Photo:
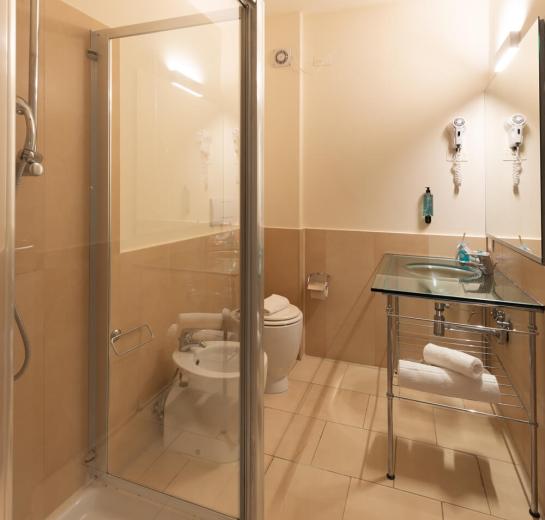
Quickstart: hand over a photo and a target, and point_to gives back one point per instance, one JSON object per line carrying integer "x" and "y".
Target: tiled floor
{"x": 326, "y": 452}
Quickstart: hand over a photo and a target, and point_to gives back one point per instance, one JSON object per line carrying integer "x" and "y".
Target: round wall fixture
{"x": 282, "y": 57}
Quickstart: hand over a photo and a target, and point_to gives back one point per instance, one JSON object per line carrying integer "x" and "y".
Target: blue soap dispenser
{"x": 427, "y": 206}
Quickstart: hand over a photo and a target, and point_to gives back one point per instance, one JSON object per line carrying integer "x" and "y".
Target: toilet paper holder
{"x": 318, "y": 285}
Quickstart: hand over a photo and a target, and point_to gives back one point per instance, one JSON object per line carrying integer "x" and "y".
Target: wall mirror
{"x": 515, "y": 148}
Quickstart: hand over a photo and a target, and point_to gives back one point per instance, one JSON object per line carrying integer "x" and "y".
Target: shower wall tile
{"x": 52, "y": 277}
{"x": 66, "y": 362}
{"x": 28, "y": 398}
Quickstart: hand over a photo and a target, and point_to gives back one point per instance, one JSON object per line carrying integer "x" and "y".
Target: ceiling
{"x": 124, "y": 12}
{"x": 290, "y": 6}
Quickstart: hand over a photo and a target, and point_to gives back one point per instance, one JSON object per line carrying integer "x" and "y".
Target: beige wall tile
{"x": 284, "y": 272}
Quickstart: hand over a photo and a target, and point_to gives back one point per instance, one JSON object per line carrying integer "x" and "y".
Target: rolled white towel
{"x": 275, "y": 303}
{"x": 437, "y": 380}
{"x": 460, "y": 362}
{"x": 200, "y": 320}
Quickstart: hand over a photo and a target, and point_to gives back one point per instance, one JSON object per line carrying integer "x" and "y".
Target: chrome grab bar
{"x": 118, "y": 334}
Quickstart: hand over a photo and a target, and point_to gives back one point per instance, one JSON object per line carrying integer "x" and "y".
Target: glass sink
{"x": 447, "y": 279}
{"x": 444, "y": 270}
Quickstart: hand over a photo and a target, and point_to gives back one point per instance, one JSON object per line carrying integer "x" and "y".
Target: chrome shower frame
{"x": 251, "y": 16}
{"x": 7, "y": 234}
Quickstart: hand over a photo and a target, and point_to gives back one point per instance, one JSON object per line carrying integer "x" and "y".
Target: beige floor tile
{"x": 342, "y": 449}
{"x": 440, "y": 473}
{"x": 411, "y": 420}
{"x": 208, "y": 484}
{"x": 475, "y": 434}
{"x": 374, "y": 502}
{"x": 267, "y": 462}
{"x": 366, "y": 379}
{"x": 353, "y": 452}
{"x": 297, "y": 492}
{"x": 330, "y": 373}
{"x": 432, "y": 398}
{"x": 289, "y": 400}
{"x": 503, "y": 489}
{"x": 163, "y": 471}
{"x": 301, "y": 439}
{"x": 306, "y": 368}
{"x": 276, "y": 423}
{"x": 376, "y": 459}
{"x": 335, "y": 404}
{"x": 451, "y": 512}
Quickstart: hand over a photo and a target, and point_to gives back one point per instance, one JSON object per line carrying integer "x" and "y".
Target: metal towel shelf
{"x": 117, "y": 334}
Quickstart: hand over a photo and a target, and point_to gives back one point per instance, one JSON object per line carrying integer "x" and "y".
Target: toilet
{"x": 282, "y": 332}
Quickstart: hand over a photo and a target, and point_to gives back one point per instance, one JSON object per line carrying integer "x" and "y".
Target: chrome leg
{"x": 534, "y": 493}
{"x": 390, "y": 390}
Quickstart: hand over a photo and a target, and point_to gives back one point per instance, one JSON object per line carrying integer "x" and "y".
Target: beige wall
{"x": 179, "y": 153}
{"x": 514, "y": 213}
{"x": 283, "y": 105}
{"x": 52, "y": 277}
{"x": 372, "y": 111}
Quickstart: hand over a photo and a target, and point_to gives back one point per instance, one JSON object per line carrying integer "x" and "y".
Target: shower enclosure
{"x": 175, "y": 365}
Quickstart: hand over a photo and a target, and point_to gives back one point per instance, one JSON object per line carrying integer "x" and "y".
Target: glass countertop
{"x": 447, "y": 279}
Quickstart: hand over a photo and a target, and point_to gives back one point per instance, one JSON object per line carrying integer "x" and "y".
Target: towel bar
{"x": 117, "y": 334}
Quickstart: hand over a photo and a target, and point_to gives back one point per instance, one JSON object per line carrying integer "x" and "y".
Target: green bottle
{"x": 427, "y": 206}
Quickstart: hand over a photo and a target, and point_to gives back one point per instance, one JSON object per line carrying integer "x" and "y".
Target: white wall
{"x": 395, "y": 74}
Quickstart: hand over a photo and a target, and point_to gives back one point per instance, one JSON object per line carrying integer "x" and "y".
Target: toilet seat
{"x": 287, "y": 316}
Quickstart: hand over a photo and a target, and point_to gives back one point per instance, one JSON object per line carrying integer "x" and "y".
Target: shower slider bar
{"x": 117, "y": 334}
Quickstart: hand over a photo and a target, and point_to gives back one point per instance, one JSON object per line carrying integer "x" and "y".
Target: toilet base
{"x": 277, "y": 387}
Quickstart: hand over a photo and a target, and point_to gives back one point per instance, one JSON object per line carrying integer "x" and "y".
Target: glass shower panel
{"x": 173, "y": 404}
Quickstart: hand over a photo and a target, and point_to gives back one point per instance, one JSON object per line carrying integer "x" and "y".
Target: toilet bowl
{"x": 282, "y": 332}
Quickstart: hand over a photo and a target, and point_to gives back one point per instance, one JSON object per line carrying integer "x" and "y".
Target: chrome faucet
{"x": 482, "y": 261}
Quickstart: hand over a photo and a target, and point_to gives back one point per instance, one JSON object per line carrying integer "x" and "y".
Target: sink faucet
{"x": 482, "y": 261}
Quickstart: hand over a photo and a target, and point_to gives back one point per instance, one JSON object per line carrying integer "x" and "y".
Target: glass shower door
{"x": 172, "y": 332}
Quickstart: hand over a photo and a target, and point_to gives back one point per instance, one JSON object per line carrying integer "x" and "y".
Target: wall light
{"x": 507, "y": 51}
{"x": 186, "y": 89}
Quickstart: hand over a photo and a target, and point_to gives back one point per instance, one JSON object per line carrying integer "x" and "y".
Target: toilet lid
{"x": 286, "y": 316}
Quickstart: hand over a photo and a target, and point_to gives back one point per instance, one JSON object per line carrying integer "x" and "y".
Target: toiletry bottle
{"x": 427, "y": 207}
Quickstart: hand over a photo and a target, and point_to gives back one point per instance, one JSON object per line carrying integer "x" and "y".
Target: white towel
{"x": 200, "y": 320}
{"x": 275, "y": 303}
{"x": 460, "y": 362}
{"x": 436, "y": 380}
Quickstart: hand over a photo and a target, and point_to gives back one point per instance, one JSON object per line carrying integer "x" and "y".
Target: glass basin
{"x": 444, "y": 270}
